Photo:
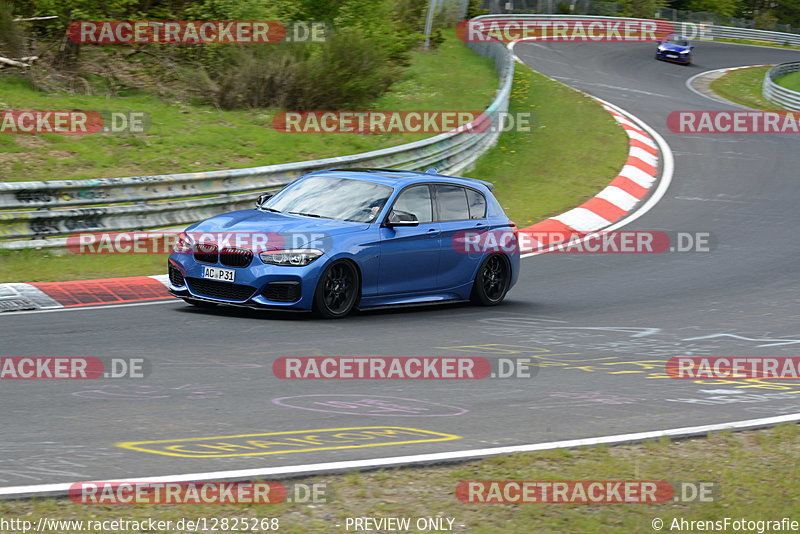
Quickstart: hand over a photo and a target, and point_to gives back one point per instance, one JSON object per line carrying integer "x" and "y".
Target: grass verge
{"x": 189, "y": 138}
{"x": 790, "y": 81}
{"x": 743, "y": 86}
{"x": 537, "y": 173}
{"x": 756, "y": 470}
{"x": 545, "y": 172}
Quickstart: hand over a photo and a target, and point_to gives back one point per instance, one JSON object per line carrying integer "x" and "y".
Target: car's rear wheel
{"x": 200, "y": 303}
{"x": 337, "y": 290}
{"x": 492, "y": 281}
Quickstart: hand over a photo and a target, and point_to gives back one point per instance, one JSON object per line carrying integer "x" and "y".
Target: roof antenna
{"x": 432, "y": 170}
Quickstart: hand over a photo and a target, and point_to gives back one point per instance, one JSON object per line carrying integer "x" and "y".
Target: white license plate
{"x": 215, "y": 273}
{"x": 672, "y": 55}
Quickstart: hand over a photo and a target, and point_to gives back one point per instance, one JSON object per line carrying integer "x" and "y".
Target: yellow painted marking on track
{"x": 314, "y": 440}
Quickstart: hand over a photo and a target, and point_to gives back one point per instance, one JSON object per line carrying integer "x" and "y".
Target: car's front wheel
{"x": 492, "y": 281}
{"x": 337, "y": 290}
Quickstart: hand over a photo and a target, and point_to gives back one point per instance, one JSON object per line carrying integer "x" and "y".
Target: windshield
{"x": 330, "y": 197}
{"x": 678, "y": 41}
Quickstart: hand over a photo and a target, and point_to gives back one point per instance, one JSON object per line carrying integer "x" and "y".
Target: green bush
{"x": 346, "y": 72}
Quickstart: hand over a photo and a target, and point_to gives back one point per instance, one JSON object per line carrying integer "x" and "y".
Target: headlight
{"x": 685, "y": 52}
{"x": 662, "y": 48}
{"x": 298, "y": 257}
{"x": 183, "y": 244}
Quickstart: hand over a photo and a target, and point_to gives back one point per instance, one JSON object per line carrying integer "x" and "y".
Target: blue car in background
{"x": 335, "y": 240}
{"x": 675, "y": 48}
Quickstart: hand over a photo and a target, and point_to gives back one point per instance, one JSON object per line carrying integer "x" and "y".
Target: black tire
{"x": 200, "y": 303}
{"x": 337, "y": 291}
{"x": 492, "y": 281}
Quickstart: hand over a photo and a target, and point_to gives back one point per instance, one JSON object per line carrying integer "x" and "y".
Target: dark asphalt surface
{"x": 601, "y": 326}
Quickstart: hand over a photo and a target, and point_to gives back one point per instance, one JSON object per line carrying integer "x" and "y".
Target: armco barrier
{"x": 33, "y": 214}
{"x": 786, "y": 98}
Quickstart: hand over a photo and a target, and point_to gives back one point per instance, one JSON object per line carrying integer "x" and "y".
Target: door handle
{"x": 433, "y": 232}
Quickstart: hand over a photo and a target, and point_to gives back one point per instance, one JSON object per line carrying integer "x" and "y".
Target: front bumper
{"x": 682, "y": 59}
{"x": 256, "y": 286}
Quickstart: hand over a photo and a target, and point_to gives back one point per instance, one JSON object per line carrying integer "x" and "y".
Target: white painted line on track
{"x": 167, "y": 300}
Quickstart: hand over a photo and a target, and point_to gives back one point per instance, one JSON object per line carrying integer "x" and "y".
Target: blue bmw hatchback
{"x": 335, "y": 240}
{"x": 675, "y": 48}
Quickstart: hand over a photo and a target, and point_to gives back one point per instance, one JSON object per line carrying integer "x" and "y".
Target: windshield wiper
{"x": 273, "y": 210}
{"x": 307, "y": 214}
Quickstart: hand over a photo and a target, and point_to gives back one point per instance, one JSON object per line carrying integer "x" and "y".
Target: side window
{"x": 477, "y": 204}
{"x": 452, "y": 202}
{"x": 416, "y": 200}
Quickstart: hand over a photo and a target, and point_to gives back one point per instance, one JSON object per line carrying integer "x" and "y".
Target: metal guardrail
{"x": 35, "y": 212}
{"x": 716, "y": 32}
{"x": 785, "y": 98}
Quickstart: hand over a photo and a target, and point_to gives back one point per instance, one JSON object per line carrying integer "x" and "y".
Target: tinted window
{"x": 416, "y": 200}
{"x": 452, "y": 201}
{"x": 477, "y": 205}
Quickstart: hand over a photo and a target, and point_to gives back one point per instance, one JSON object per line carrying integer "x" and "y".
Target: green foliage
{"x": 765, "y": 21}
{"x": 10, "y": 36}
{"x": 726, "y": 8}
{"x": 641, "y": 8}
{"x": 347, "y": 71}
{"x": 474, "y": 9}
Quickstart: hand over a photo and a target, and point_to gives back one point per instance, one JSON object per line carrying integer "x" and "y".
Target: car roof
{"x": 399, "y": 178}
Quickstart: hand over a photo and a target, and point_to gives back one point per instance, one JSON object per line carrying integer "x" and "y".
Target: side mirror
{"x": 659, "y": 42}
{"x": 401, "y": 218}
{"x": 263, "y": 198}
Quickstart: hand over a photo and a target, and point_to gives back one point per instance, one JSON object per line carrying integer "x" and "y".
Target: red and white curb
{"x": 618, "y": 199}
{"x": 82, "y": 293}
{"x": 635, "y": 190}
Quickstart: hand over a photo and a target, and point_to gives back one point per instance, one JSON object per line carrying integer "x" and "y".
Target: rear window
{"x": 477, "y": 204}
{"x": 452, "y": 202}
